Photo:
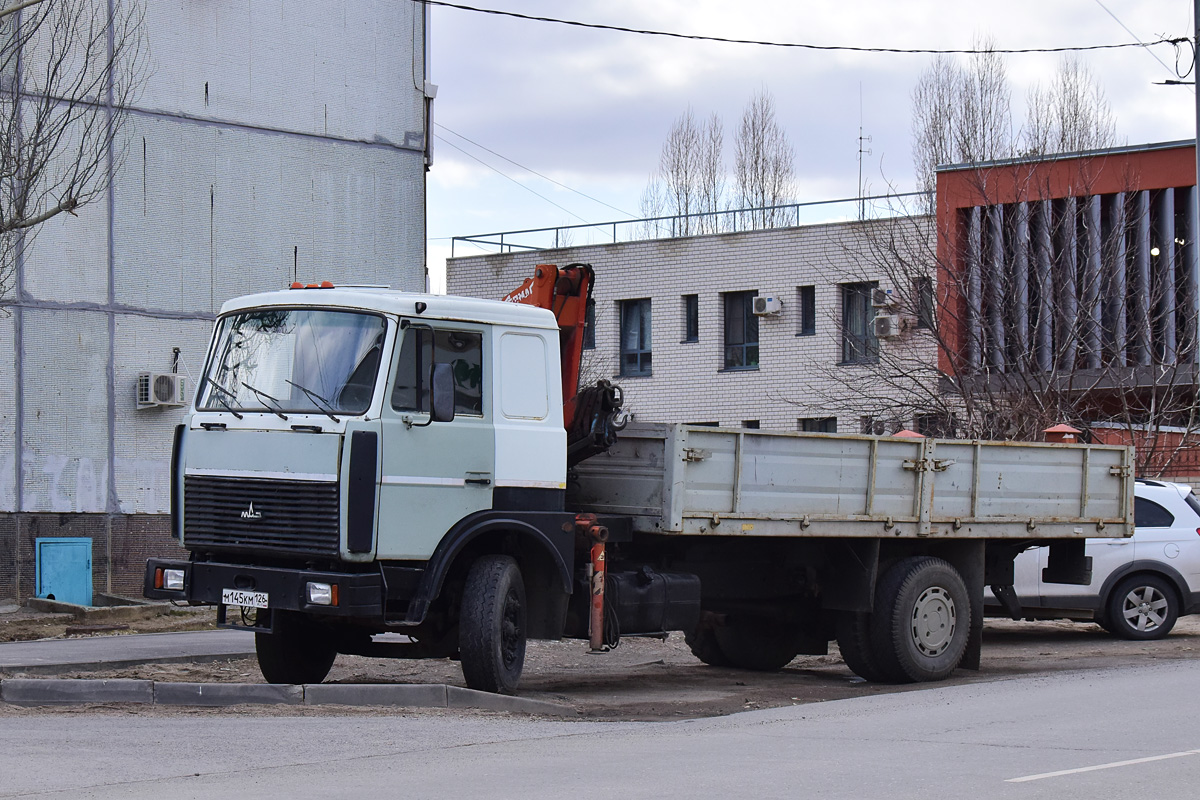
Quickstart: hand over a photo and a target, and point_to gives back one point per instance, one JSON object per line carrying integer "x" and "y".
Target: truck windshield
{"x": 307, "y": 360}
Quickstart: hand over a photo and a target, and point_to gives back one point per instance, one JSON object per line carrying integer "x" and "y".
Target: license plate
{"x": 239, "y": 597}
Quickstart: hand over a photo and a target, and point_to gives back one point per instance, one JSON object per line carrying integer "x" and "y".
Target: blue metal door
{"x": 64, "y": 569}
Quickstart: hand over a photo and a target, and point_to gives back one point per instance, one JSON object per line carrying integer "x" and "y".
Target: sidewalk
{"x": 48, "y": 656}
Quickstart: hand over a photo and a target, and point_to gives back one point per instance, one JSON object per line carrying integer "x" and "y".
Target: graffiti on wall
{"x": 65, "y": 484}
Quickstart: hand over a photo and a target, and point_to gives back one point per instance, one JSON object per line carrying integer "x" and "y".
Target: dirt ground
{"x": 646, "y": 679}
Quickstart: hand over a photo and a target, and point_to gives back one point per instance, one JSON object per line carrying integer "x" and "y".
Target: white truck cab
{"x": 341, "y": 436}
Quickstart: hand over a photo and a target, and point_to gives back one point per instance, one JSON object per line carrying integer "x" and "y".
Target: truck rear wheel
{"x": 491, "y": 628}
{"x": 703, "y": 643}
{"x": 297, "y": 652}
{"x": 921, "y": 621}
{"x": 854, "y": 642}
{"x": 758, "y": 644}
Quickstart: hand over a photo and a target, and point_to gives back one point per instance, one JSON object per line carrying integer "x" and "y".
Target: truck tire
{"x": 854, "y": 642}
{"x": 1141, "y": 607}
{"x": 703, "y": 643}
{"x": 921, "y": 621}
{"x": 757, "y": 644}
{"x": 491, "y": 628}
{"x": 297, "y": 652}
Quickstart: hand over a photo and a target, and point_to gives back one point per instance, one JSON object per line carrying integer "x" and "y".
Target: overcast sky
{"x": 590, "y": 108}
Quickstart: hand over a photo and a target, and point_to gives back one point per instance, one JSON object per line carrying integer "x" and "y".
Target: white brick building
{"x": 273, "y": 141}
{"x": 806, "y": 362}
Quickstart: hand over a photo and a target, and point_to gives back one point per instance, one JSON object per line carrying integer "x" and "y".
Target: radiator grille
{"x": 254, "y": 514}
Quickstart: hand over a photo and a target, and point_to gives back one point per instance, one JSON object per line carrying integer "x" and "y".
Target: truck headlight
{"x": 322, "y": 594}
{"x": 173, "y": 579}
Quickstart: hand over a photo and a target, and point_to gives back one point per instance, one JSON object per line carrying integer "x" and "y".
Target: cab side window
{"x": 420, "y": 349}
{"x": 1148, "y": 514}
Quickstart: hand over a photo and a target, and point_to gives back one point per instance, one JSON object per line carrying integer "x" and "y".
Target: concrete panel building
{"x": 272, "y": 142}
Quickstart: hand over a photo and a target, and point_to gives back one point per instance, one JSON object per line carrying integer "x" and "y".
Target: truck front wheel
{"x": 491, "y": 626}
{"x": 297, "y": 652}
{"x": 921, "y": 620}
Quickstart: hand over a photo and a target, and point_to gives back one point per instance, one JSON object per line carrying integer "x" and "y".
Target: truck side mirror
{"x": 441, "y": 393}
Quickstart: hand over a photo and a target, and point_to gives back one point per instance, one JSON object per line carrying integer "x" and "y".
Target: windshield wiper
{"x": 315, "y": 397}
{"x": 222, "y": 400}
{"x": 277, "y": 411}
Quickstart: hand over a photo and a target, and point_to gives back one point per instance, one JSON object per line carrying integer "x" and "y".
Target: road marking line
{"x": 1112, "y": 765}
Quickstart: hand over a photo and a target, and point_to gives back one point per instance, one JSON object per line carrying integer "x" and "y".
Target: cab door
{"x": 434, "y": 473}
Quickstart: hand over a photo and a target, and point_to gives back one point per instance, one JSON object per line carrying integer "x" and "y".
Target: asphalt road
{"x": 1094, "y": 734}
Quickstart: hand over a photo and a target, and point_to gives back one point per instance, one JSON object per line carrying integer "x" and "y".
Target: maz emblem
{"x": 250, "y": 513}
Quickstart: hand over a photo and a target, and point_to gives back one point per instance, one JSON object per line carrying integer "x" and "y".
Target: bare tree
{"x": 764, "y": 162}
{"x": 712, "y": 174}
{"x": 69, "y": 69}
{"x": 933, "y": 102}
{"x": 690, "y": 184}
{"x": 1071, "y": 115}
{"x": 983, "y": 130}
{"x": 690, "y": 181}
{"x": 1047, "y": 313}
{"x": 961, "y": 113}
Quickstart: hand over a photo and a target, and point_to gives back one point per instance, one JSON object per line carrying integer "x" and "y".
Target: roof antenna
{"x": 862, "y": 151}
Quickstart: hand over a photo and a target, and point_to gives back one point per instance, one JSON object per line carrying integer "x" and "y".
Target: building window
{"x": 635, "y": 337}
{"x": 750, "y": 424}
{"x": 923, "y": 293}
{"x": 741, "y": 331}
{"x": 691, "y": 318}
{"x": 859, "y": 345}
{"x": 818, "y": 424}
{"x": 589, "y": 326}
{"x": 935, "y": 425}
{"x": 806, "y": 299}
{"x": 871, "y": 426}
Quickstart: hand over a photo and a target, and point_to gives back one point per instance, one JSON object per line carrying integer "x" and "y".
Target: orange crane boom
{"x": 589, "y": 414}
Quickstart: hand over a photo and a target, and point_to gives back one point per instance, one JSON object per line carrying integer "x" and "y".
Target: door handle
{"x": 478, "y": 479}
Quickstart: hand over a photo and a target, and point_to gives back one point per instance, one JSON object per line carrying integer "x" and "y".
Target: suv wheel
{"x": 1141, "y": 607}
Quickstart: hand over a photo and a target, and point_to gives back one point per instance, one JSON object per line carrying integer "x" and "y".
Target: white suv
{"x": 1140, "y": 585}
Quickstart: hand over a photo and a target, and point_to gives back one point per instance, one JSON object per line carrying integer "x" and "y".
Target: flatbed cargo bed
{"x": 684, "y": 479}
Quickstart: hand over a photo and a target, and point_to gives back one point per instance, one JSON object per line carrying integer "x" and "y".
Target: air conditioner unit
{"x": 882, "y": 298}
{"x": 887, "y": 326}
{"x": 767, "y": 305}
{"x": 161, "y": 389}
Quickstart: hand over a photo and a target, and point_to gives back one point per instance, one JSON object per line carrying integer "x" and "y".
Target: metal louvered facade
{"x": 236, "y": 514}
{"x": 1073, "y": 263}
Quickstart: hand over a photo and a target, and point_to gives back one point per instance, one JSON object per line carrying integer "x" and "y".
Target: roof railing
{"x": 704, "y": 223}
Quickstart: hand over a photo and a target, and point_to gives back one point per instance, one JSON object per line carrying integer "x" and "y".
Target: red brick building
{"x": 1079, "y": 274}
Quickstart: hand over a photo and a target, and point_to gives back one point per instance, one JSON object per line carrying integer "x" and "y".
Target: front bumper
{"x": 360, "y": 595}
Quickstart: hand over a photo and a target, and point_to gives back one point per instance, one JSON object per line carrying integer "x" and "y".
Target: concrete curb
{"x": 226, "y": 694}
{"x": 66, "y": 691}
{"x": 35, "y": 692}
{"x": 100, "y": 614}
{"x": 416, "y": 695}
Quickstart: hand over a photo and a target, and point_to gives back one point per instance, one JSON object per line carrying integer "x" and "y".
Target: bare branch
{"x": 4, "y": 12}
{"x": 81, "y": 65}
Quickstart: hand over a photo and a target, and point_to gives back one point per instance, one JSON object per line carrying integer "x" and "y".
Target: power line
{"x": 798, "y": 45}
{"x": 511, "y": 178}
{"x": 534, "y": 171}
{"x": 1134, "y": 35}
